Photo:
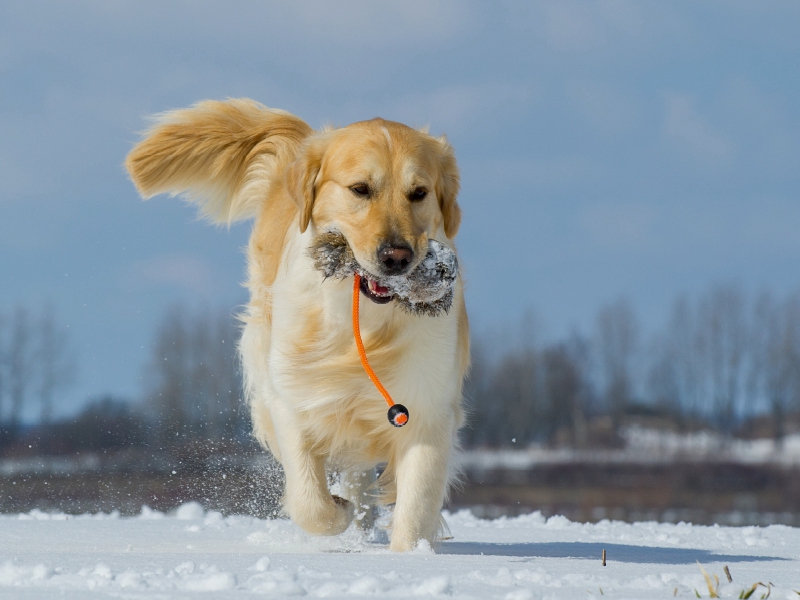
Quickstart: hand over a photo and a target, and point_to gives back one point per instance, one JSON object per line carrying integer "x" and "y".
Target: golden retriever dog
{"x": 388, "y": 189}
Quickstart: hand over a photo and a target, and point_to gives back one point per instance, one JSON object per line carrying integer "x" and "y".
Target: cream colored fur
{"x": 312, "y": 404}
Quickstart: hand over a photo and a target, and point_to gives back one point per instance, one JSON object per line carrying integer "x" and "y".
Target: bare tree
{"x": 230, "y": 414}
{"x": 4, "y": 359}
{"x": 663, "y": 374}
{"x": 56, "y": 368}
{"x": 502, "y": 389}
{"x": 483, "y": 413}
{"x": 792, "y": 312}
{"x": 168, "y": 376}
{"x": 724, "y": 339}
{"x": 516, "y": 387}
{"x": 775, "y": 368}
{"x": 617, "y": 340}
{"x": 193, "y": 379}
{"x": 564, "y": 394}
{"x": 529, "y": 393}
{"x": 578, "y": 349}
{"x": 21, "y": 370}
{"x": 675, "y": 374}
{"x": 214, "y": 382}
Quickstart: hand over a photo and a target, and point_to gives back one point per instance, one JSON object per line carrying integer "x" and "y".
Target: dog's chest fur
{"x": 314, "y": 365}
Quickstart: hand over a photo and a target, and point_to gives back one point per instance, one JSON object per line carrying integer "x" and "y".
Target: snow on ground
{"x": 197, "y": 554}
{"x": 642, "y": 446}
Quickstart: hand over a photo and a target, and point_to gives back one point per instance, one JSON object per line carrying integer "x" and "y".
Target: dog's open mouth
{"x": 374, "y": 291}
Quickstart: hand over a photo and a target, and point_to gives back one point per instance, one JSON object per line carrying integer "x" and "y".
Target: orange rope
{"x": 360, "y": 345}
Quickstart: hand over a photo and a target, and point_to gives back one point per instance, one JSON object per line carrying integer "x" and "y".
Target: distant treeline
{"x": 192, "y": 389}
{"x": 193, "y": 380}
{"x": 718, "y": 360}
{"x": 34, "y": 365}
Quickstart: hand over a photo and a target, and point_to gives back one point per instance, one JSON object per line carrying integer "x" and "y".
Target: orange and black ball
{"x": 398, "y": 415}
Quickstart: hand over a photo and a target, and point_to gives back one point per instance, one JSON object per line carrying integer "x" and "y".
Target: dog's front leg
{"x": 307, "y": 500}
{"x": 422, "y": 479}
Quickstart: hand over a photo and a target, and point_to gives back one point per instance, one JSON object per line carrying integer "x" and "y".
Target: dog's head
{"x": 386, "y": 187}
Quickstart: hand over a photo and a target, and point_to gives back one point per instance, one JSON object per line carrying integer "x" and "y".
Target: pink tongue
{"x": 379, "y": 289}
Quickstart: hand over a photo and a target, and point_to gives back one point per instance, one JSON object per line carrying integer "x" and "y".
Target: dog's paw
{"x": 401, "y": 543}
{"x": 340, "y": 501}
{"x": 330, "y": 518}
{"x": 343, "y": 515}
{"x": 406, "y": 537}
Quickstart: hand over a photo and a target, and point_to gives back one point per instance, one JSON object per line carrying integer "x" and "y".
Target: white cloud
{"x": 184, "y": 271}
{"x": 365, "y": 23}
{"x": 583, "y": 26}
{"x": 684, "y": 126}
{"x": 453, "y": 108}
{"x": 764, "y": 124}
{"x": 15, "y": 180}
{"x": 537, "y": 174}
{"x": 772, "y": 223}
{"x": 606, "y": 108}
{"x": 623, "y": 225}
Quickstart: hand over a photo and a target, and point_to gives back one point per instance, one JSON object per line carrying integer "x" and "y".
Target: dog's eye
{"x": 418, "y": 194}
{"x": 360, "y": 189}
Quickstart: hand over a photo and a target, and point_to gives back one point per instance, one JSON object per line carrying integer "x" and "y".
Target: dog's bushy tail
{"x": 222, "y": 156}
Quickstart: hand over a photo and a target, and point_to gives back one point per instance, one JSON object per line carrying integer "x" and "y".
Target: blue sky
{"x": 637, "y": 149}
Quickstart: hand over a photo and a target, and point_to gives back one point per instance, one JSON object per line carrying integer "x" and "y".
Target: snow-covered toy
{"x": 427, "y": 290}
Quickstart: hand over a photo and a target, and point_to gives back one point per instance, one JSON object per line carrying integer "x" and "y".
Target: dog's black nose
{"x": 395, "y": 260}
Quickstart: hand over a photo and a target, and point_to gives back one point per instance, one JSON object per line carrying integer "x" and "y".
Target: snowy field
{"x": 642, "y": 446}
{"x": 198, "y": 554}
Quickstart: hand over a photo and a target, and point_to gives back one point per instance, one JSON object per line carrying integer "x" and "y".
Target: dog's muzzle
{"x": 427, "y": 290}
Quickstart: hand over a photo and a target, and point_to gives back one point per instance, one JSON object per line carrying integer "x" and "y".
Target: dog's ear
{"x": 301, "y": 177}
{"x": 222, "y": 156}
{"x": 447, "y": 188}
